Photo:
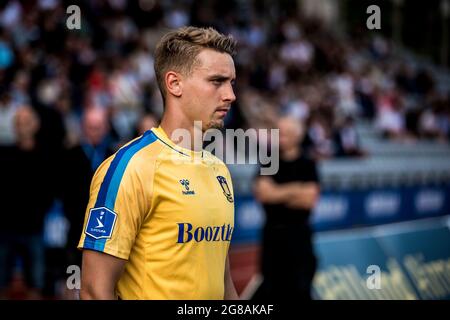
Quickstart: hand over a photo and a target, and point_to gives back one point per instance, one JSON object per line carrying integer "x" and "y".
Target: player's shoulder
{"x": 144, "y": 148}
{"x": 212, "y": 159}
{"x": 136, "y": 155}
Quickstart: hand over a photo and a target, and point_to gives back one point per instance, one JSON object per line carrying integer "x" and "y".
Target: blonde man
{"x": 158, "y": 225}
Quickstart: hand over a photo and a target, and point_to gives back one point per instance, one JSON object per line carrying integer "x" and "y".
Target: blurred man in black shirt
{"x": 26, "y": 193}
{"x": 81, "y": 162}
{"x": 288, "y": 262}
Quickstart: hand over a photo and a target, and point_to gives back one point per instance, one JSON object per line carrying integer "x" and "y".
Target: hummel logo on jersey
{"x": 185, "y": 184}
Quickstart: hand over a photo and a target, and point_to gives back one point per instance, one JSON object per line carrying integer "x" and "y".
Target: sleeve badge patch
{"x": 100, "y": 223}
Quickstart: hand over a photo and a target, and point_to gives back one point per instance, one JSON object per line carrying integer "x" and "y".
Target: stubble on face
{"x": 214, "y": 124}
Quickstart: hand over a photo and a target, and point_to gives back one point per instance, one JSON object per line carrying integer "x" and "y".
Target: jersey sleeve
{"x": 120, "y": 200}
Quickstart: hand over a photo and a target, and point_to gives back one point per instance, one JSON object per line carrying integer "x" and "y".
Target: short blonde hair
{"x": 178, "y": 50}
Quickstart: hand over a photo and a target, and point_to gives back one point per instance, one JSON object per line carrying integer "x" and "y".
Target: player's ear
{"x": 173, "y": 83}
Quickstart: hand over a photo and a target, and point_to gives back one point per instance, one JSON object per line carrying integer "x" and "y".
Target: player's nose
{"x": 229, "y": 95}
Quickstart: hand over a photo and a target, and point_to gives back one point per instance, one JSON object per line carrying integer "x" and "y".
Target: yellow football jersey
{"x": 169, "y": 211}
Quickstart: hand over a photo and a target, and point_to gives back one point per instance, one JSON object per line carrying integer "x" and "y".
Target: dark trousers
{"x": 24, "y": 253}
{"x": 288, "y": 263}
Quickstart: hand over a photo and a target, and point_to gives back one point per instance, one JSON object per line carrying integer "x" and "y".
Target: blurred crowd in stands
{"x": 70, "y": 98}
{"x": 286, "y": 65}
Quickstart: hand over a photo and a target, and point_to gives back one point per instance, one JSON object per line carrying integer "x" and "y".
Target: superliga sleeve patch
{"x": 100, "y": 223}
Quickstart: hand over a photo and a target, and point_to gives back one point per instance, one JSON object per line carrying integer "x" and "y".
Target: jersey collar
{"x": 162, "y": 136}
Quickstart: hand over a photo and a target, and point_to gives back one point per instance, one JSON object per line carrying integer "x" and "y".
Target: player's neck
{"x": 170, "y": 123}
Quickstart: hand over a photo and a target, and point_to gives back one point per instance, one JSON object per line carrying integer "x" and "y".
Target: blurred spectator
{"x": 296, "y": 51}
{"x": 318, "y": 142}
{"x": 346, "y": 139}
{"x": 20, "y": 87}
{"x": 434, "y": 122}
{"x": 146, "y": 122}
{"x": 344, "y": 86}
{"x": 80, "y": 163}
{"x": 288, "y": 262}
{"x": 70, "y": 120}
{"x": 428, "y": 124}
{"x": 127, "y": 99}
{"x": 391, "y": 115}
{"x": 24, "y": 171}
{"x": 364, "y": 90}
{"x": 7, "y": 111}
{"x": 109, "y": 63}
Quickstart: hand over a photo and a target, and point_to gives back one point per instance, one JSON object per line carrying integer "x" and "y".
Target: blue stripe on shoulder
{"x": 111, "y": 183}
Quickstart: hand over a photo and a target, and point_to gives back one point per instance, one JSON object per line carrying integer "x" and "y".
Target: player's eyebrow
{"x": 219, "y": 77}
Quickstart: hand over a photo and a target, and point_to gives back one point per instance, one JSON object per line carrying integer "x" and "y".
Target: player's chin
{"x": 215, "y": 124}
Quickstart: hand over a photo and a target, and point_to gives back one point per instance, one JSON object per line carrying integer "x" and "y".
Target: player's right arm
{"x": 120, "y": 200}
{"x": 100, "y": 273}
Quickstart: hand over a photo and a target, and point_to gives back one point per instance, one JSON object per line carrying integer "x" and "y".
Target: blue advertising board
{"x": 341, "y": 209}
{"x": 408, "y": 260}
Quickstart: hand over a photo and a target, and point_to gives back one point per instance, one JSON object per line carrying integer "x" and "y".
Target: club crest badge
{"x": 226, "y": 190}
